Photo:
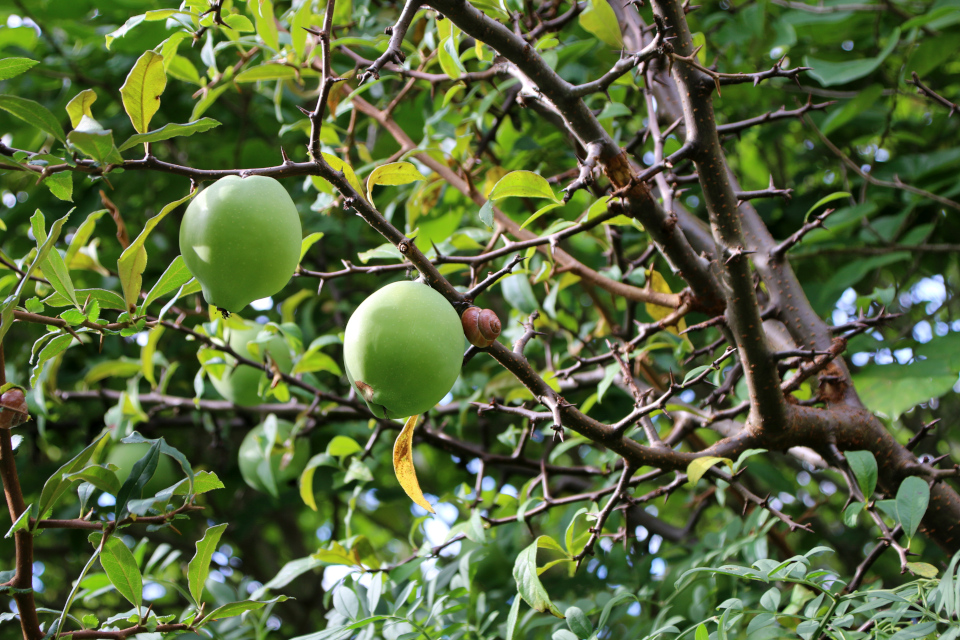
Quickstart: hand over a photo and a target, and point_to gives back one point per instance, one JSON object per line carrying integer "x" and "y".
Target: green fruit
{"x": 241, "y": 238}
{"x": 403, "y": 349}
{"x": 127, "y": 455}
{"x": 253, "y": 462}
{"x": 239, "y": 384}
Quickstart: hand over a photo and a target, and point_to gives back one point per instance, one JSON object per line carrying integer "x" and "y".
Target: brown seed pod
{"x": 481, "y": 326}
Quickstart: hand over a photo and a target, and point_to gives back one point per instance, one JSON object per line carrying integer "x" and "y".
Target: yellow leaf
{"x": 80, "y": 106}
{"x": 394, "y": 173}
{"x": 133, "y": 260}
{"x": 698, "y": 467}
{"x": 141, "y": 91}
{"x": 922, "y": 569}
{"x": 339, "y": 165}
{"x": 403, "y": 464}
{"x": 493, "y": 177}
{"x": 658, "y": 284}
{"x": 147, "y": 353}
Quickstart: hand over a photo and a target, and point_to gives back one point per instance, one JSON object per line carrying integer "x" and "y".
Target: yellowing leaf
{"x": 339, "y": 165}
{"x": 525, "y": 184}
{"x": 658, "y": 284}
{"x": 698, "y": 467}
{"x": 403, "y": 464}
{"x": 492, "y": 178}
{"x": 393, "y": 174}
{"x": 147, "y": 353}
{"x": 922, "y": 569}
{"x": 141, "y": 91}
{"x": 133, "y": 260}
{"x": 80, "y": 106}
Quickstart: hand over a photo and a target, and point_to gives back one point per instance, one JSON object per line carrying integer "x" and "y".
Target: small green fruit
{"x": 127, "y": 455}
{"x": 283, "y": 466}
{"x": 241, "y": 239}
{"x": 239, "y": 384}
{"x": 402, "y": 349}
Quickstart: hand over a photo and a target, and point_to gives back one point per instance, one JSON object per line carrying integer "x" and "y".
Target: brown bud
{"x": 481, "y": 326}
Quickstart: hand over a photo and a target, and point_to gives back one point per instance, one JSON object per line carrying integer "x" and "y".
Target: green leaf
{"x": 308, "y": 242}
{"x": 170, "y": 131}
{"x": 824, "y": 200}
{"x": 199, "y": 567}
{"x": 512, "y": 617}
{"x": 207, "y": 100}
{"x": 475, "y": 531}
{"x": 175, "y": 276}
{"x": 892, "y": 389}
{"x": 141, "y": 473}
{"x": 121, "y": 567}
{"x": 80, "y": 105}
{"x": 864, "y": 468}
{"x": 913, "y": 496}
{"x": 518, "y": 293}
{"x": 106, "y": 299}
{"x": 386, "y": 251}
{"x": 99, "y": 476}
{"x": 487, "y": 213}
{"x": 342, "y": 446}
{"x": 528, "y": 582}
{"x": 539, "y": 212}
{"x": 829, "y": 73}
{"x": 133, "y": 260}
{"x": 234, "y": 609}
{"x": 124, "y": 29}
{"x": 266, "y": 24}
{"x": 182, "y": 69}
{"x": 851, "y": 513}
{"x": 298, "y": 24}
{"x": 525, "y": 184}
{"x": 450, "y": 58}
{"x": 34, "y": 114}
{"x": 94, "y": 141}
{"x": 11, "y": 67}
{"x": 346, "y": 603}
{"x": 698, "y": 467}
{"x": 58, "y": 275}
{"x": 53, "y": 349}
{"x": 600, "y": 20}
{"x": 44, "y": 247}
{"x": 203, "y": 482}
{"x": 286, "y": 575}
{"x": 242, "y": 23}
{"x": 614, "y": 602}
{"x": 314, "y": 360}
{"x": 55, "y": 486}
{"x": 142, "y": 89}
{"x": 579, "y": 623}
{"x": 22, "y": 522}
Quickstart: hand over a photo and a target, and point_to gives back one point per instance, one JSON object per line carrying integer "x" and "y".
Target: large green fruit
{"x": 240, "y": 384}
{"x": 403, "y": 349}
{"x": 240, "y": 238}
{"x": 253, "y": 461}
{"x": 127, "y": 455}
